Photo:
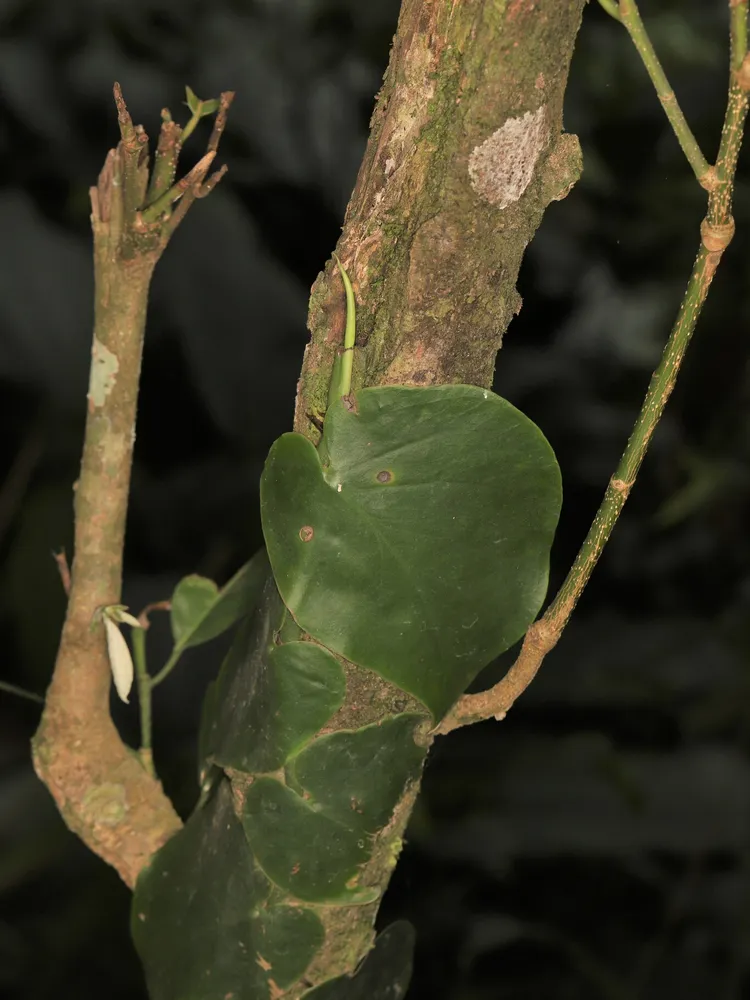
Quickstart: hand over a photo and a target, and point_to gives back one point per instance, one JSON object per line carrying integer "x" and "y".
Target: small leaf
{"x": 120, "y": 659}
{"x": 193, "y": 102}
{"x": 200, "y": 611}
{"x": 209, "y": 107}
{"x": 193, "y": 598}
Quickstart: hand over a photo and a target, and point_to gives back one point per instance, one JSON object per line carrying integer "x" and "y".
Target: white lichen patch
{"x": 104, "y": 368}
{"x": 502, "y": 166}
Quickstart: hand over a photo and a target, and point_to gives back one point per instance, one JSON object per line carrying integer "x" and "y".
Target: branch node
{"x": 742, "y": 76}
{"x": 716, "y": 237}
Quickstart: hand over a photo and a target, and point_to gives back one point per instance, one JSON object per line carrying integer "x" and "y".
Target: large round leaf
{"x": 415, "y": 541}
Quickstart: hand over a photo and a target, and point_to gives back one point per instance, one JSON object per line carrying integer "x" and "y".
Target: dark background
{"x": 596, "y": 844}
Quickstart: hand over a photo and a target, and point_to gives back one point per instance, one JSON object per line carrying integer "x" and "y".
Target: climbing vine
{"x": 412, "y": 542}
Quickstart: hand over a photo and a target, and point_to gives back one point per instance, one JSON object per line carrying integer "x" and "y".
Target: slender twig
{"x": 627, "y": 13}
{"x": 20, "y": 692}
{"x": 165, "y": 160}
{"x": 191, "y": 126}
{"x": 63, "y": 569}
{"x": 165, "y": 201}
{"x": 106, "y": 796}
{"x": 138, "y": 636}
{"x": 341, "y": 381}
{"x": 168, "y": 667}
{"x": 143, "y": 617}
{"x": 717, "y": 230}
{"x": 720, "y": 199}
{"x": 612, "y": 8}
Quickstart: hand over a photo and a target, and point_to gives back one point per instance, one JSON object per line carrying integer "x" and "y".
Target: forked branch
{"x": 106, "y": 794}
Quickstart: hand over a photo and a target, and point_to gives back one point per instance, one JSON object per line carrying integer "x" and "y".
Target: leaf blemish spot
{"x": 385, "y": 476}
{"x": 306, "y": 533}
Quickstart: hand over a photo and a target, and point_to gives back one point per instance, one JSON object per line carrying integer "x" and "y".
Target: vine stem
{"x": 627, "y": 13}
{"x": 717, "y": 230}
{"x": 341, "y": 377}
{"x": 138, "y": 637}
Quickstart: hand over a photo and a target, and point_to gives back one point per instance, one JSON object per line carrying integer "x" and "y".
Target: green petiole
{"x": 341, "y": 377}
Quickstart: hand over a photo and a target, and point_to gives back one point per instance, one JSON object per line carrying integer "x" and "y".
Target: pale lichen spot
{"x": 502, "y": 166}
{"x": 104, "y": 368}
{"x": 106, "y": 804}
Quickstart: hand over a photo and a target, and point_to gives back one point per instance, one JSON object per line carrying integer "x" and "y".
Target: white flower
{"x": 120, "y": 659}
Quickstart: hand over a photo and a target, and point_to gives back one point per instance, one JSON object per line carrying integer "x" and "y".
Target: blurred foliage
{"x": 597, "y": 843}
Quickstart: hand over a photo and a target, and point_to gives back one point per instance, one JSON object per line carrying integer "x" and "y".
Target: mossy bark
{"x": 465, "y": 153}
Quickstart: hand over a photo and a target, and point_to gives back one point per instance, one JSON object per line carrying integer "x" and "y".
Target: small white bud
{"x": 119, "y": 613}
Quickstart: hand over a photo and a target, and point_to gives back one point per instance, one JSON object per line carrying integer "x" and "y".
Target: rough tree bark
{"x": 465, "y": 153}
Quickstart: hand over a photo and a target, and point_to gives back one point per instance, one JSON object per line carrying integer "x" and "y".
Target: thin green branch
{"x": 543, "y": 635}
{"x": 134, "y": 147}
{"x": 165, "y": 161}
{"x": 720, "y": 198}
{"x": 168, "y": 667}
{"x": 737, "y": 33}
{"x": 341, "y": 379}
{"x": 611, "y": 7}
{"x": 626, "y": 11}
{"x": 194, "y": 177}
{"x": 21, "y": 692}
{"x": 138, "y": 636}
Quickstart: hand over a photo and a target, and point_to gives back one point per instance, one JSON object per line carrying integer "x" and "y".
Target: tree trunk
{"x": 466, "y": 152}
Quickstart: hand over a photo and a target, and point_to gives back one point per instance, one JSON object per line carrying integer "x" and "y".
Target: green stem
{"x": 168, "y": 667}
{"x": 659, "y": 391}
{"x": 737, "y": 33}
{"x": 191, "y": 127}
{"x": 629, "y": 15}
{"x": 611, "y": 7}
{"x": 21, "y": 692}
{"x": 543, "y": 635}
{"x": 154, "y": 211}
{"x": 138, "y": 636}
{"x": 165, "y": 161}
{"x": 341, "y": 381}
{"x": 720, "y": 198}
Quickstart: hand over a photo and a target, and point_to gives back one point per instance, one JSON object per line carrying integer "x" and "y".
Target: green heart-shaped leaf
{"x": 303, "y": 851}
{"x": 357, "y": 777}
{"x": 415, "y": 542}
